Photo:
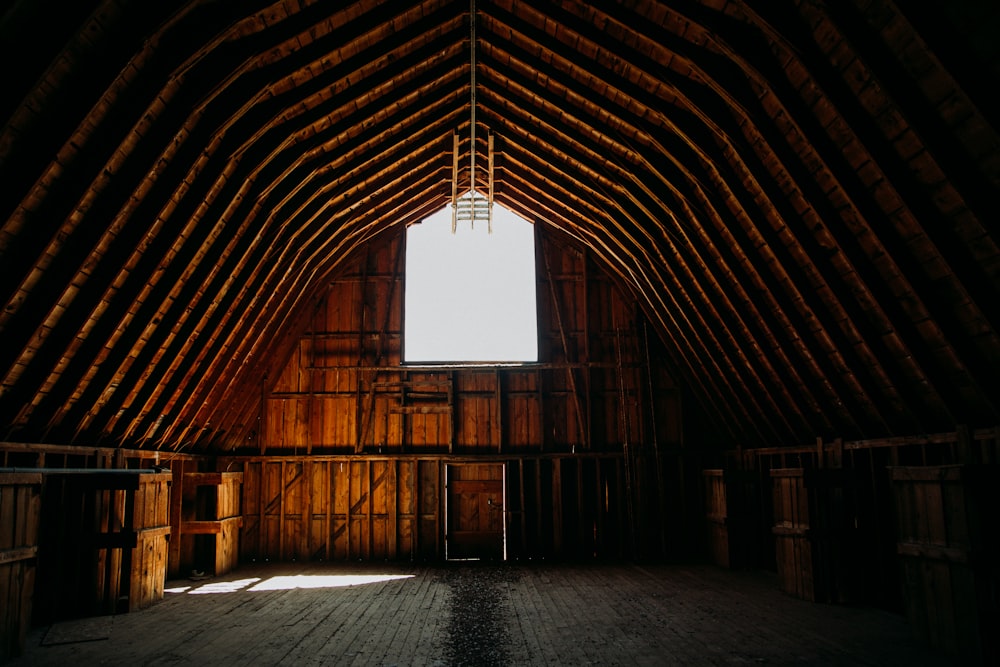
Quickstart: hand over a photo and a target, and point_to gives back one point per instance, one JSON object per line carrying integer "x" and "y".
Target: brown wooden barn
{"x": 767, "y": 286}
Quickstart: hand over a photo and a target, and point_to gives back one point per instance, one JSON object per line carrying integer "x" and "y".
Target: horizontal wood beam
{"x": 420, "y": 409}
{"x": 20, "y": 553}
{"x": 211, "y": 478}
{"x": 210, "y": 527}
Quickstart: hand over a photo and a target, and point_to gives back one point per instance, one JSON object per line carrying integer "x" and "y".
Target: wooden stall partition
{"x": 342, "y": 508}
{"x": 20, "y": 507}
{"x": 949, "y": 545}
{"x": 146, "y": 563}
{"x": 840, "y": 558}
{"x": 793, "y": 550}
{"x": 403, "y": 510}
{"x": 566, "y": 507}
{"x": 209, "y": 531}
{"x": 393, "y": 507}
{"x": 815, "y": 544}
{"x": 731, "y": 517}
{"x": 717, "y": 540}
{"x": 102, "y": 542}
{"x": 430, "y": 503}
{"x": 860, "y": 505}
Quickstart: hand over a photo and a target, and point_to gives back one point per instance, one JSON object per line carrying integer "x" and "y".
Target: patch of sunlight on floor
{"x": 284, "y": 583}
{"x": 224, "y": 586}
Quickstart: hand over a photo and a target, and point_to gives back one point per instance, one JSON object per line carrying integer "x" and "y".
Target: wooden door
{"x": 475, "y": 511}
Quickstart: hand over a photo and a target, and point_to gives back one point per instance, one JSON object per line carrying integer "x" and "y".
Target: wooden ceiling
{"x": 801, "y": 194}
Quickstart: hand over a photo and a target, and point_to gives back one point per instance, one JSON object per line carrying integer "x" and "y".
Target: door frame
{"x": 447, "y": 511}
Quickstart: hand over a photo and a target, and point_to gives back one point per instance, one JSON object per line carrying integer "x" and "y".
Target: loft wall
{"x": 356, "y": 451}
{"x": 601, "y": 383}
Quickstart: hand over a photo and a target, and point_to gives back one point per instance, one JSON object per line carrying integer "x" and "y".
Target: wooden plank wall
{"x": 858, "y": 501}
{"x": 206, "y": 516}
{"x": 601, "y": 383}
{"x": 229, "y": 514}
{"x": 57, "y": 457}
{"x": 20, "y": 507}
{"x": 793, "y": 548}
{"x": 145, "y": 565}
{"x": 335, "y": 508}
{"x": 392, "y": 507}
{"x": 102, "y": 542}
{"x": 376, "y": 429}
{"x": 716, "y": 517}
{"x": 948, "y": 543}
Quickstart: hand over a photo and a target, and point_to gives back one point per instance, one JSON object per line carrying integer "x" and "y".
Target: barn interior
{"x": 767, "y": 286}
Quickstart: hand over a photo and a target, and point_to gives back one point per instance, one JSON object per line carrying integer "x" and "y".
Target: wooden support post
{"x": 105, "y": 508}
{"x": 540, "y": 401}
{"x": 392, "y": 502}
{"x": 347, "y": 510}
{"x": 328, "y": 502}
{"x": 624, "y": 530}
{"x": 281, "y": 513}
{"x": 599, "y": 509}
{"x": 571, "y": 376}
{"x": 441, "y": 521}
{"x": 307, "y": 513}
{"x": 523, "y": 508}
{"x": 539, "y": 532}
{"x": 262, "y": 523}
{"x": 505, "y": 509}
{"x": 661, "y": 499}
{"x": 368, "y": 515}
{"x": 415, "y": 509}
{"x": 580, "y": 513}
{"x": 123, "y": 575}
{"x": 176, "y": 496}
{"x": 630, "y": 476}
{"x": 557, "y": 507}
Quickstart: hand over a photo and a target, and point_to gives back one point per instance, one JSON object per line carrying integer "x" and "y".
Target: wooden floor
{"x": 471, "y": 614}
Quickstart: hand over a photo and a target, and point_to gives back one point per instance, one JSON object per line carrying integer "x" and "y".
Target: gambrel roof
{"x": 802, "y": 195}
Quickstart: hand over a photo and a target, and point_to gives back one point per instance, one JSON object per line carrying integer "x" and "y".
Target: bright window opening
{"x": 470, "y": 296}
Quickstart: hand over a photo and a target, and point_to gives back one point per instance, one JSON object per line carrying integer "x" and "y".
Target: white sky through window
{"x": 470, "y": 296}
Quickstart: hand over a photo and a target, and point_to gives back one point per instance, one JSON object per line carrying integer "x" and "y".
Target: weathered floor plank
{"x": 350, "y": 614}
